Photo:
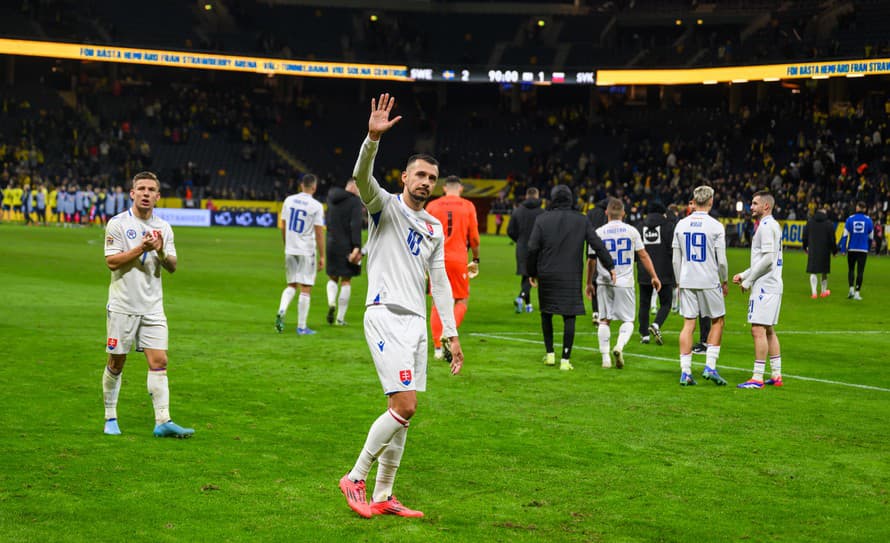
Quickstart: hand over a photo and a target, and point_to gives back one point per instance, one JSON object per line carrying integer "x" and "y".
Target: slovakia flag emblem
{"x": 112, "y": 343}
{"x": 405, "y": 377}
{"x": 429, "y": 228}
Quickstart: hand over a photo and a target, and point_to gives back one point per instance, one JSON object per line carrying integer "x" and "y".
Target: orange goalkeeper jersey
{"x": 458, "y": 218}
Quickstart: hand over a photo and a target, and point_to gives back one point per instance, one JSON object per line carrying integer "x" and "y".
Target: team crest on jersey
{"x": 131, "y": 234}
{"x": 112, "y": 343}
{"x": 405, "y": 377}
{"x": 429, "y": 228}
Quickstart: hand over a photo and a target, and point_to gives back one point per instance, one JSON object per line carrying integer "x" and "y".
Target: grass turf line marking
{"x": 675, "y": 360}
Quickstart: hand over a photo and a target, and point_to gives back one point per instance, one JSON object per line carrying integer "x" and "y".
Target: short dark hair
{"x": 421, "y": 156}
{"x": 861, "y": 205}
{"x": 309, "y": 180}
{"x": 532, "y": 192}
{"x": 145, "y": 175}
{"x": 767, "y": 196}
{"x": 453, "y": 180}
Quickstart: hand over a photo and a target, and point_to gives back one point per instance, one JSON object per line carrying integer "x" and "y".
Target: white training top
{"x": 622, "y": 241}
{"x": 135, "y": 287}
{"x": 701, "y": 242}
{"x": 301, "y": 213}
{"x": 765, "y": 273}
{"x": 404, "y": 246}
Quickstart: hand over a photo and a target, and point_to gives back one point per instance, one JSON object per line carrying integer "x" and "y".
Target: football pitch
{"x": 510, "y": 450}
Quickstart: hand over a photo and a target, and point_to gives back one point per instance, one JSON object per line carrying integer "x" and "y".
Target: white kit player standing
{"x": 138, "y": 245}
{"x": 764, "y": 279}
{"x": 700, "y": 267}
{"x": 302, "y": 230}
{"x": 618, "y": 301}
{"x": 405, "y": 246}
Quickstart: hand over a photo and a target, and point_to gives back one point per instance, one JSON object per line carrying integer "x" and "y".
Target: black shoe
{"x": 699, "y": 348}
{"x": 330, "y": 317}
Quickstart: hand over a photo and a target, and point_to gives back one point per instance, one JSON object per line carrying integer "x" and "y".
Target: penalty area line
{"x": 511, "y": 337}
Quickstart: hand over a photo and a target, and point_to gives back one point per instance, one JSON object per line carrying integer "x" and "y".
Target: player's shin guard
{"x": 624, "y": 332}
{"x": 604, "y": 334}
{"x": 287, "y": 295}
{"x": 388, "y": 465}
{"x": 303, "y": 302}
{"x": 111, "y": 387}
{"x": 160, "y": 394}
{"x": 343, "y": 302}
{"x": 331, "y": 289}
{"x": 379, "y": 435}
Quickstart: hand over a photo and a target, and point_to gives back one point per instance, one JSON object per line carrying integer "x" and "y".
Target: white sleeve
{"x": 114, "y": 238}
{"x": 444, "y": 300}
{"x": 368, "y": 187}
{"x": 169, "y": 245}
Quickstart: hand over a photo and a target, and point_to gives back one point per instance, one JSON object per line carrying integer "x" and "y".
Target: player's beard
{"x": 418, "y": 197}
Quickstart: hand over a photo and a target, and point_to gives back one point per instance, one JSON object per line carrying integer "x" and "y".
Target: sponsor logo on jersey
{"x": 131, "y": 234}
{"x": 109, "y": 241}
{"x": 112, "y": 343}
{"x": 380, "y": 345}
{"x": 405, "y": 377}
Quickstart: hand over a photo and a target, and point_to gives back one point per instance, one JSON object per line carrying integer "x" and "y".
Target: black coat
{"x": 597, "y": 215}
{"x": 520, "y": 228}
{"x": 819, "y": 243}
{"x": 556, "y": 258}
{"x": 344, "y": 232}
{"x": 658, "y": 234}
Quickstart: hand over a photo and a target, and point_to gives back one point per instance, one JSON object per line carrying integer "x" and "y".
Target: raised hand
{"x": 379, "y": 121}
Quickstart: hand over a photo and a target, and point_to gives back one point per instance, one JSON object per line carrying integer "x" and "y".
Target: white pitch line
{"x": 508, "y": 336}
{"x": 725, "y": 331}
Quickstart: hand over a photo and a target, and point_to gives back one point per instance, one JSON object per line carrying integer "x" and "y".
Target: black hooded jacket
{"x": 344, "y": 231}
{"x": 819, "y": 243}
{"x": 520, "y": 229}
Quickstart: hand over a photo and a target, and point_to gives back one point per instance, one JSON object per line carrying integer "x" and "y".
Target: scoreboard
{"x": 501, "y": 75}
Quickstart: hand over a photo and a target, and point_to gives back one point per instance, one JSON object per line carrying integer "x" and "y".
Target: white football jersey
{"x": 622, "y": 241}
{"x": 767, "y": 241}
{"x": 301, "y": 213}
{"x": 135, "y": 287}
{"x": 403, "y": 244}
{"x": 700, "y": 238}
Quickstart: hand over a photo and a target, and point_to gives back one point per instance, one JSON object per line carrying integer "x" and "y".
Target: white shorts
{"x": 398, "y": 346}
{"x": 141, "y": 331}
{"x": 763, "y": 308}
{"x": 702, "y": 302}
{"x": 616, "y": 303}
{"x": 300, "y": 269}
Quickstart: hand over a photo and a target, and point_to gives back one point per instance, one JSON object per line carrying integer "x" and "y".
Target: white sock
{"x": 332, "y": 293}
{"x": 160, "y": 395}
{"x": 759, "y": 366}
{"x": 814, "y": 281}
{"x": 686, "y": 363}
{"x": 111, "y": 387}
{"x": 379, "y": 435}
{"x": 624, "y": 332}
{"x": 824, "y": 284}
{"x": 851, "y": 290}
{"x": 775, "y": 366}
{"x": 343, "y": 301}
{"x": 286, "y": 297}
{"x": 388, "y": 465}
{"x": 712, "y": 355}
{"x": 302, "y": 309}
{"x": 604, "y": 333}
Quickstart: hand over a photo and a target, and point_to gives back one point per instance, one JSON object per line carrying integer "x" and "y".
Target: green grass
{"x": 507, "y": 451}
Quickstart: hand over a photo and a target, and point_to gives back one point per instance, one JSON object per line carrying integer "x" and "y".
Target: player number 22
{"x": 619, "y": 249}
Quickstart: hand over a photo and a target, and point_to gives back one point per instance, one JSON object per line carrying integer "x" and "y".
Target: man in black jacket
{"x": 344, "y": 247}
{"x": 820, "y": 245}
{"x": 657, "y": 232}
{"x": 555, "y": 265}
{"x": 519, "y": 230}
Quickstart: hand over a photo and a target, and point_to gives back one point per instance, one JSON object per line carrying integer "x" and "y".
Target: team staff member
{"x": 458, "y": 218}
{"x": 138, "y": 245}
{"x": 519, "y": 230}
{"x": 657, "y": 232}
{"x": 344, "y": 248}
{"x": 859, "y": 231}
